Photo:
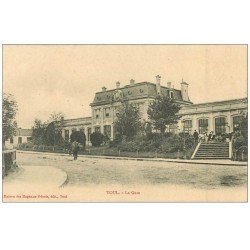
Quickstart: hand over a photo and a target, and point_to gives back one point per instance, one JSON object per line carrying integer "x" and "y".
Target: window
{"x": 171, "y": 94}
{"x": 29, "y": 139}
{"x": 97, "y": 129}
{"x": 220, "y": 125}
{"x": 188, "y": 126}
{"x": 20, "y": 140}
{"x": 97, "y": 113}
{"x": 106, "y": 112}
{"x": 11, "y": 140}
{"x": 236, "y": 122}
{"x": 173, "y": 128}
{"x": 107, "y": 130}
{"x": 203, "y": 125}
{"x": 66, "y": 134}
{"x": 82, "y": 130}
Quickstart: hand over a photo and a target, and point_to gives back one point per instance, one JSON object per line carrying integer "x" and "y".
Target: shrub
{"x": 78, "y": 136}
{"x": 96, "y": 139}
{"x": 172, "y": 144}
{"x": 129, "y": 146}
{"x": 239, "y": 142}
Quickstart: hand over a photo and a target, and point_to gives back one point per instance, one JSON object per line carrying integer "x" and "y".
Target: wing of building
{"x": 21, "y": 136}
{"x": 220, "y": 117}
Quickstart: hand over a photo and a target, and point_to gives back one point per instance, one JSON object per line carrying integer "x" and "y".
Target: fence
{"x": 107, "y": 151}
{"x": 240, "y": 154}
{"x": 9, "y": 161}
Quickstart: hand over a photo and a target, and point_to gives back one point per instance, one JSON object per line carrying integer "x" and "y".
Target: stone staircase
{"x": 213, "y": 150}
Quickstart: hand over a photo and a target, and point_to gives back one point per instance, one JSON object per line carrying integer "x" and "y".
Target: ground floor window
{"x": 82, "y": 130}
{"x": 98, "y": 129}
{"x": 220, "y": 125}
{"x": 107, "y": 130}
{"x": 188, "y": 126}
{"x": 20, "y": 140}
{"x": 66, "y": 134}
{"x": 11, "y": 140}
{"x": 236, "y": 122}
{"x": 173, "y": 128}
{"x": 203, "y": 125}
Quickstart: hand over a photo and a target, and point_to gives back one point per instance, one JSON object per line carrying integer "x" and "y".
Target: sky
{"x": 64, "y": 78}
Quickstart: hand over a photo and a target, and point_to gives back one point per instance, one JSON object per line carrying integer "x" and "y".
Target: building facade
{"x": 106, "y": 103}
{"x": 21, "y": 136}
{"x": 220, "y": 117}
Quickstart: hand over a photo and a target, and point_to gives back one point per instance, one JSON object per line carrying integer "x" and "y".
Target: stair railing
{"x": 230, "y": 149}
{"x": 196, "y": 149}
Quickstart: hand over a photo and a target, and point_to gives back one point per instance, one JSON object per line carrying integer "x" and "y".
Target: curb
{"x": 139, "y": 159}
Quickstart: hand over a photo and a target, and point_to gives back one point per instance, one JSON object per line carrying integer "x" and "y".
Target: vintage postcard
{"x": 125, "y": 123}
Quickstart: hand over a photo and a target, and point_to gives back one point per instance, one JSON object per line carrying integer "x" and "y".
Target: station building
{"x": 219, "y": 116}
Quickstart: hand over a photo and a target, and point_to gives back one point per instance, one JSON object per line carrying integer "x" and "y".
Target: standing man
{"x": 75, "y": 149}
{"x": 196, "y": 137}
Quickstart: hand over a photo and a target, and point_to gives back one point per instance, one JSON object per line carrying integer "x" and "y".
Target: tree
{"x": 162, "y": 112}
{"x": 39, "y": 132}
{"x": 54, "y": 129}
{"x": 78, "y": 136}
{"x": 9, "y": 114}
{"x": 50, "y": 132}
{"x": 128, "y": 123}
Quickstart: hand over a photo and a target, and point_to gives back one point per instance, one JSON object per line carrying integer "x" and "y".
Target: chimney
{"x": 132, "y": 82}
{"x": 104, "y": 89}
{"x": 118, "y": 85}
{"x": 184, "y": 91}
{"x": 158, "y": 84}
{"x": 169, "y": 85}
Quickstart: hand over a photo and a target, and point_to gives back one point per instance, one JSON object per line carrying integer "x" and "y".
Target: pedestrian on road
{"x": 75, "y": 149}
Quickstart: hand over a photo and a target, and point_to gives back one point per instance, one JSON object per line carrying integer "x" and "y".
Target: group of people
{"x": 207, "y": 138}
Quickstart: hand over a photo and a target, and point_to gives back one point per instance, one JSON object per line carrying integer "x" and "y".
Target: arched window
{"x": 220, "y": 125}
{"x": 171, "y": 94}
{"x": 203, "y": 125}
{"x": 188, "y": 126}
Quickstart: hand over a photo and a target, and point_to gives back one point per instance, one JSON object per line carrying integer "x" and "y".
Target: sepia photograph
{"x": 125, "y": 123}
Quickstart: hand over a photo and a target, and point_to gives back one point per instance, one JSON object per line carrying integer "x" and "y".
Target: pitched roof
{"x": 132, "y": 92}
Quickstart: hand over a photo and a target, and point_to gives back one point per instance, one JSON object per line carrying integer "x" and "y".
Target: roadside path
{"x": 35, "y": 177}
{"x": 209, "y": 162}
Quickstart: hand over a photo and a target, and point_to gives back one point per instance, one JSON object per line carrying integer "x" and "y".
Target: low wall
{"x": 9, "y": 161}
